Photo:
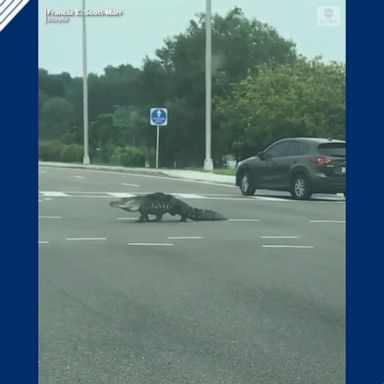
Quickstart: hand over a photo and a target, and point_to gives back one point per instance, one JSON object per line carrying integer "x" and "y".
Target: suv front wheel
{"x": 247, "y": 185}
{"x": 300, "y": 187}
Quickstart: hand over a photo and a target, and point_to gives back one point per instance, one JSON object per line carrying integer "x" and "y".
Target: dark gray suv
{"x": 302, "y": 166}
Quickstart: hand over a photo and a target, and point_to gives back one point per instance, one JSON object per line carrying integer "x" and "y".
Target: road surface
{"x": 259, "y": 298}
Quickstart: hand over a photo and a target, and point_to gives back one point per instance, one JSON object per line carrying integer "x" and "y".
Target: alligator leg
{"x": 143, "y": 217}
{"x": 158, "y": 217}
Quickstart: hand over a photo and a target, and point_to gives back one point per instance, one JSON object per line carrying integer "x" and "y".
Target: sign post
{"x": 159, "y": 118}
{"x": 157, "y": 146}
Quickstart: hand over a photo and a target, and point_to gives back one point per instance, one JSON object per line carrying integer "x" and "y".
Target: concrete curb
{"x": 175, "y": 173}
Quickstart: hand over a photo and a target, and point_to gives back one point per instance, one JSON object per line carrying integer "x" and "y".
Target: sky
{"x": 144, "y": 25}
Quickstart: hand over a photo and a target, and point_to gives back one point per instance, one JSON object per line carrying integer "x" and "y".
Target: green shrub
{"x": 57, "y": 151}
{"x": 72, "y": 153}
{"x": 132, "y": 157}
{"x": 50, "y": 150}
{"x": 115, "y": 156}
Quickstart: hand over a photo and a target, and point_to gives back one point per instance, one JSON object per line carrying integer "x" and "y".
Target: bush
{"x": 132, "y": 157}
{"x": 128, "y": 157}
{"x": 50, "y": 150}
{"x": 72, "y": 153}
{"x": 56, "y": 151}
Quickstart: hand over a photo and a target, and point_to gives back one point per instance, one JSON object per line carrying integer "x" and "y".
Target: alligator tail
{"x": 205, "y": 215}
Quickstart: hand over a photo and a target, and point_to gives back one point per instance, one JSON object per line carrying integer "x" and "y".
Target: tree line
{"x": 262, "y": 91}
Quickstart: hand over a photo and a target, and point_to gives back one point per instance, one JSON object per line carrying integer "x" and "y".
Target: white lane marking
{"x": 40, "y": 201}
{"x": 184, "y": 237}
{"x": 50, "y": 217}
{"x": 40, "y": 171}
{"x": 79, "y": 177}
{"x": 280, "y": 237}
{"x": 288, "y": 246}
{"x": 130, "y": 185}
{"x": 119, "y": 194}
{"x": 53, "y": 194}
{"x": 43, "y": 242}
{"x": 328, "y": 221}
{"x": 85, "y": 238}
{"x": 126, "y": 218}
{"x": 161, "y": 244}
{"x": 188, "y": 195}
{"x": 47, "y": 199}
{"x": 265, "y": 198}
{"x": 245, "y": 220}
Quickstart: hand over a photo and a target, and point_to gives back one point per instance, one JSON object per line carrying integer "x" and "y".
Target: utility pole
{"x": 208, "y": 162}
{"x": 86, "y": 159}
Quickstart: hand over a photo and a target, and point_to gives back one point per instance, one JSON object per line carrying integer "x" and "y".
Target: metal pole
{"x": 157, "y": 147}
{"x": 208, "y": 162}
{"x": 86, "y": 159}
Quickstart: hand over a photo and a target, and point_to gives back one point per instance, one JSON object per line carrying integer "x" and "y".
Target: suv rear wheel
{"x": 300, "y": 187}
{"x": 247, "y": 185}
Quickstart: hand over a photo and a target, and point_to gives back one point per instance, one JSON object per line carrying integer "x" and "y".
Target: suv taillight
{"x": 320, "y": 160}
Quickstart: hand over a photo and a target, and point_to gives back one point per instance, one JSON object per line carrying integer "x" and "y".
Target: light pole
{"x": 208, "y": 162}
{"x": 86, "y": 159}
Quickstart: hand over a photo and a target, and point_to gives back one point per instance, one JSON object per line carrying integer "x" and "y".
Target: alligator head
{"x": 128, "y": 203}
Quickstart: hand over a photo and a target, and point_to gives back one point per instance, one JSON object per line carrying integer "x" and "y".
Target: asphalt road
{"x": 256, "y": 299}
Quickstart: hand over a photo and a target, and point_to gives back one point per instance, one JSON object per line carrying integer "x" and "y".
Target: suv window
{"x": 279, "y": 149}
{"x": 332, "y": 149}
{"x": 295, "y": 148}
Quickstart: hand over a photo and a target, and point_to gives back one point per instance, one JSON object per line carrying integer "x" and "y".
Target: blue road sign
{"x": 158, "y": 116}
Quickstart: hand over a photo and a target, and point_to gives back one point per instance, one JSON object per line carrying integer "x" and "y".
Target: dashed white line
{"x": 126, "y": 218}
{"x": 120, "y": 194}
{"x": 328, "y": 221}
{"x": 79, "y": 177}
{"x": 130, "y": 185}
{"x": 184, "y": 237}
{"x": 50, "y": 217}
{"x": 43, "y": 242}
{"x": 161, "y": 244}
{"x": 188, "y": 195}
{"x": 53, "y": 193}
{"x": 280, "y": 237}
{"x": 245, "y": 220}
{"x": 40, "y": 171}
{"x": 265, "y": 198}
{"x": 85, "y": 238}
{"x": 288, "y": 246}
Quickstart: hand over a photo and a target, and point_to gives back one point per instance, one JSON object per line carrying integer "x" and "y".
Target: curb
{"x": 175, "y": 174}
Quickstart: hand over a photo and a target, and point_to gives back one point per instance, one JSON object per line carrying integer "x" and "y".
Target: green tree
{"x": 306, "y": 98}
{"x": 57, "y": 116}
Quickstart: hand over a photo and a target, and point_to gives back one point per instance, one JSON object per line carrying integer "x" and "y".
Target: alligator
{"x": 160, "y": 203}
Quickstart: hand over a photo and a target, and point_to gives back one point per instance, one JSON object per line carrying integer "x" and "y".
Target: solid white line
{"x": 50, "y": 217}
{"x": 79, "y": 177}
{"x": 43, "y": 242}
{"x": 245, "y": 220}
{"x": 184, "y": 237}
{"x": 119, "y": 194}
{"x": 287, "y": 246}
{"x": 280, "y": 237}
{"x": 164, "y": 244}
{"x": 328, "y": 221}
{"x": 53, "y": 194}
{"x": 85, "y": 238}
{"x": 265, "y": 198}
{"x": 188, "y": 195}
{"x": 130, "y": 185}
